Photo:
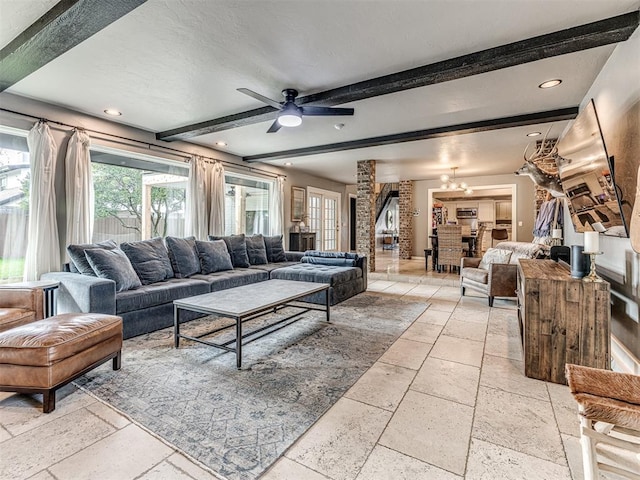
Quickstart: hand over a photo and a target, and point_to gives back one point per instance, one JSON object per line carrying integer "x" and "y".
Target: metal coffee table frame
{"x": 199, "y": 304}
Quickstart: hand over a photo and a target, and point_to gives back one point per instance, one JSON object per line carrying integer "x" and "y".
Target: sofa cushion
{"x": 159, "y": 293}
{"x": 476, "y": 274}
{"x": 150, "y": 260}
{"x": 113, "y": 265}
{"x": 214, "y": 256}
{"x": 233, "y": 278}
{"x": 237, "y": 247}
{"x": 494, "y": 255}
{"x": 307, "y": 272}
{"x": 256, "y": 250}
{"x": 275, "y": 249}
{"x": 184, "y": 256}
{"x": 79, "y": 260}
{"x": 268, "y": 267}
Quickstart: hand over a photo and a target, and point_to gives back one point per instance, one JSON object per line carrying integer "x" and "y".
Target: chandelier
{"x": 451, "y": 184}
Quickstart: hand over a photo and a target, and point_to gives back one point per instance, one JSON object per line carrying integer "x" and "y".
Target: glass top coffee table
{"x": 247, "y": 303}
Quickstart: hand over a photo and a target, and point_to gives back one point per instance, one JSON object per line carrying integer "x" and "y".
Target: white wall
{"x": 616, "y": 93}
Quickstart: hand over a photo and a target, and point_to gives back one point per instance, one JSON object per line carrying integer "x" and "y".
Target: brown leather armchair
{"x": 19, "y": 306}
{"x": 499, "y": 280}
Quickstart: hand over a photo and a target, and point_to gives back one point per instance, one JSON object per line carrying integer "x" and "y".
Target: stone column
{"x": 405, "y": 233}
{"x": 366, "y": 212}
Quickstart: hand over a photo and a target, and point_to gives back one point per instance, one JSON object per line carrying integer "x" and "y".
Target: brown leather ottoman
{"x": 42, "y": 356}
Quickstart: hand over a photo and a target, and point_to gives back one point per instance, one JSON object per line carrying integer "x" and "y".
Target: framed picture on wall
{"x": 297, "y": 203}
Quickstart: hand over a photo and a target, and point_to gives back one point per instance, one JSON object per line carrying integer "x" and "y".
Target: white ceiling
{"x": 171, "y": 63}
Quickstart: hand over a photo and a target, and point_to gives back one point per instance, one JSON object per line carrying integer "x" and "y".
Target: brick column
{"x": 366, "y": 212}
{"x": 405, "y": 233}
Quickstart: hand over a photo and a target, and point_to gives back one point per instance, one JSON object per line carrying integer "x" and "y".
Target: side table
{"x": 48, "y": 287}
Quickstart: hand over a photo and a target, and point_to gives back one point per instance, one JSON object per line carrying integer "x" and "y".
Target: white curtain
{"x": 205, "y": 199}
{"x": 79, "y": 189}
{"x": 276, "y": 207}
{"x": 216, "y": 219}
{"x": 197, "y": 221}
{"x": 43, "y": 249}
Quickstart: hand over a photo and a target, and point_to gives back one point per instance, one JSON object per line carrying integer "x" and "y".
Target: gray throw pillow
{"x": 114, "y": 265}
{"x": 79, "y": 260}
{"x": 184, "y": 256}
{"x": 214, "y": 256}
{"x": 237, "y": 249}
{"x": 275, "y": 249}
{"x": 150, "y": 260}
{"x": 256, "y": 250}
{"x": 330, "y": 261}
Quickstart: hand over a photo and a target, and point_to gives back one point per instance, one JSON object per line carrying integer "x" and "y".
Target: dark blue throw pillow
{"x": 184, "y": 256}
{"x": 214, "y": 256}
{"x": 79, "y": 260}
{"x": 275, "y": 249}
{"x": 150, "y": 260}
{"x": 114, "y": 265}
{"x": 256, "y": 250}
{"x": 237, "y": 247}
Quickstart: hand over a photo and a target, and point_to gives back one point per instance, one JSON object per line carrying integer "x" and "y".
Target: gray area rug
{"x": 239, "y": 422}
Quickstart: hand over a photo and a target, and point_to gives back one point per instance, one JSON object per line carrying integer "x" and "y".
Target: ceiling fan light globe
{"x": 463, "y": 185}
{"x": 444, "y": 178}
{"x": 443, "y": 186}
{"x": 454, "y": 186}
{"x": 289, "y": 120}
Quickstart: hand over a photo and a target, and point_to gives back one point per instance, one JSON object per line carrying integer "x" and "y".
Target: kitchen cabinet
{"x": 503, "y": 211}
{"x": 486, "y": 212}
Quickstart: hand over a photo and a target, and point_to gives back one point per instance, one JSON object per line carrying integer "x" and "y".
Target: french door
{"x": 324, "y": 218}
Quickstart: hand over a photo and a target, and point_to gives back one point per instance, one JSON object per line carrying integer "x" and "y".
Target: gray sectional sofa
{"x": 140, "y": 280}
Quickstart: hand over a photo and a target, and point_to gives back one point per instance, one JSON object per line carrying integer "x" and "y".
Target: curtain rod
{"x": 149, "y": 145}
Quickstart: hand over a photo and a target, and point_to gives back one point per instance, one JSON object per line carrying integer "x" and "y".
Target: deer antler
{"x": 538, "y": 154}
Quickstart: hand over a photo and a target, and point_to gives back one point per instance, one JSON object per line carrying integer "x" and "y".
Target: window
{"x": 14, "y": 203}
{"x": 246, "y": 204}
{"x": 137, "y": 197}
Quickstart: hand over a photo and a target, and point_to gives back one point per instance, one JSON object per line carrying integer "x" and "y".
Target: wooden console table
{"x": 562, "y": 320}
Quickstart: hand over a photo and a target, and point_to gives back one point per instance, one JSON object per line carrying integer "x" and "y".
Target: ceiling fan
{"x": 290, "y": 114}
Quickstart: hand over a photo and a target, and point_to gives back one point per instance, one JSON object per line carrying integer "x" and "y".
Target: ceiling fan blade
{"x": 326, "y": 111}
{"x": 262, "y": 98}
{"x": 275, "y": 126}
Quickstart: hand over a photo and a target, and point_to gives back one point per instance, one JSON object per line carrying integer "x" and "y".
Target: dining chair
{"x": 449, "y": 246}
{"x": 499, "y": 234}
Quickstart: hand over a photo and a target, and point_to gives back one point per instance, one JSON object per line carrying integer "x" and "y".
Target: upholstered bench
{"x": 42, "y": 356}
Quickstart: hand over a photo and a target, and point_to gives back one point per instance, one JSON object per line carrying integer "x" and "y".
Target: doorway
{"x": 324, "y": 218}
{"x": 352, "y": 222}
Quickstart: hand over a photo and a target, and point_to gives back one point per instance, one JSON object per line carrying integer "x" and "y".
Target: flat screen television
{"x": 587, "y": 177}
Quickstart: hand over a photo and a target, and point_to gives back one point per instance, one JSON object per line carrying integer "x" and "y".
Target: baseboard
{"x": 622, "y": 360}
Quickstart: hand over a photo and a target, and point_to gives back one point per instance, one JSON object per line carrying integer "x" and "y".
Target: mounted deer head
{"x": 548, "y": 181}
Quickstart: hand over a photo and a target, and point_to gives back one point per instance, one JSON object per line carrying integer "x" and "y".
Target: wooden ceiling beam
{"x": 583, "y": 37}
{"x": 67, "y": 24}
{"x": 450, "y": 130}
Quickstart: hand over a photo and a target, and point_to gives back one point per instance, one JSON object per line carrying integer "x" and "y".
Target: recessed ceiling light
{"x": 339, "y": 126}
{"x": 221, "y": 144}
{"x": 534, "y": 134}
{"x": 550, "y": 83}
{"x": 287, "y": 164}
{"x": 113, "y": 112}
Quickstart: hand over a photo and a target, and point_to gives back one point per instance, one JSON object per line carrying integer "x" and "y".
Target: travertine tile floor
{"x": 448, "y": 400}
